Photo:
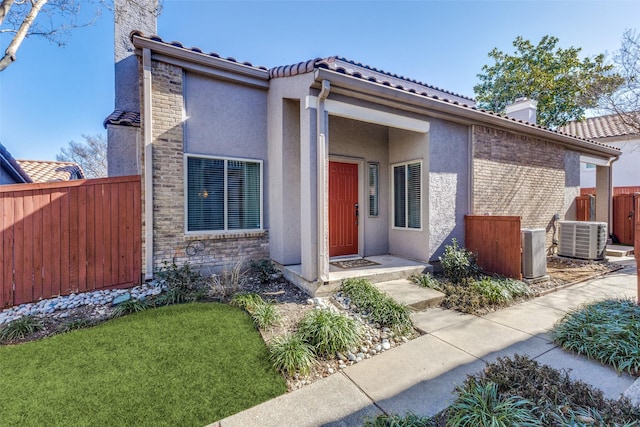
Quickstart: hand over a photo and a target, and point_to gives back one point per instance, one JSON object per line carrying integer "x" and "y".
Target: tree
{"x": 52, "y": 20}
{"x": 91, "y": 155}
{"x": 625, "y": 102}
{"x": 563, "y": 85}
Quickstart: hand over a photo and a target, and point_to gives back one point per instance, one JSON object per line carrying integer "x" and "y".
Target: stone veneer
{"x": 170, "y": 240}
{"x": 518, "y": 175}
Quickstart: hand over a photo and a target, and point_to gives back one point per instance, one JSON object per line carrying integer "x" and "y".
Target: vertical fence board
{"x": 583, "y": 208}
{"x": 496, "y": 240}
{"x": 637, "y": 246}
{"x": 59, "y": 238}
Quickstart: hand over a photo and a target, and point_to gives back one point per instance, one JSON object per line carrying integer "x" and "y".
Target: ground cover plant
{"x": 518, "y": 391}
{"x": 329, "y": 332}
{"x": 185, "y": 365}
{"x": 378, "y": 306}
{"x": 607, "y": 331}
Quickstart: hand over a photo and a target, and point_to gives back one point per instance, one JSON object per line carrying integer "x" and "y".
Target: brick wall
{"x": 518, "y": 175}
{"x": 170, "y": 242}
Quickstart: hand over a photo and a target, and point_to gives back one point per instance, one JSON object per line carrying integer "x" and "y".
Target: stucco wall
{"x": 352, "y": 140}
{"x": 625, "y": 170}
{"x": 123, "y": 150}
{"x": 518, "y": 175}
{"x": 448, "y": 184}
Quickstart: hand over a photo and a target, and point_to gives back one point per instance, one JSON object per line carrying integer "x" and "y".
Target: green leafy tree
{"x": 563, "y": 84}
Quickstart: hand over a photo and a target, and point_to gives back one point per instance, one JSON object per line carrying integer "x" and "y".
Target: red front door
{"x": 343, "y": 209}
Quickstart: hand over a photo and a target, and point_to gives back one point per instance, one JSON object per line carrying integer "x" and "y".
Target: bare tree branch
{"x": 91, "y": 155}
{"x": 4, "y": 9}
{"x": 10, "y": 53}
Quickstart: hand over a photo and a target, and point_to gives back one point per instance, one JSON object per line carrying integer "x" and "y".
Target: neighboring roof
{"x": 334, "y": 67}
{"x": 8, "y": 163}
{"x": 48, "y": 171}
{"x": 123, "y": 118}
{"x": 599, "y": 127}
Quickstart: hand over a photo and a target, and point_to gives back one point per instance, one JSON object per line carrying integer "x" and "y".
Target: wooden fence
{"x": 616, "y": 190}
{"x": 74, "y": 236}
{"x": 585, "y": 206}
{"x": 497, "y": 242}
{"x": 624, "y": 218}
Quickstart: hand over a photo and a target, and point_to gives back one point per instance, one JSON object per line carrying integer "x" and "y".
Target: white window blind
{"x": 223, "y": 194}
{"x": 407, "y": 194}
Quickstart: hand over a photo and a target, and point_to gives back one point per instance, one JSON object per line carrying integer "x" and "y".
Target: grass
{"x": 607, "y": 331}
{"x": 290, "y": 354}
{"x": 328, "y": 332}
{"x": 186, "y": 365}
{"x": 380, "y": 307}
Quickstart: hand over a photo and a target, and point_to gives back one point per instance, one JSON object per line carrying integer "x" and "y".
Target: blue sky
{"x": 53, "y": 95}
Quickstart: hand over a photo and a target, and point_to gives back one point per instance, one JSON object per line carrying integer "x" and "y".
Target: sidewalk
{"x": 421, "y": 375}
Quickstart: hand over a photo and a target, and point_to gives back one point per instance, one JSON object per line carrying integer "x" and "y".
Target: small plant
{"x": 247, "y": 301}
{"x": 265, "y": 315}
{"x": 228, "y": 281}
{"x": 182, "y": 282}
{"x": 130, "y": 306}
{"x": 458, "y": 264}
{"x": 72, "y": 325}
{"x": 20, "y": 328}
{"x": 291, "y": 354}
{"x": 393, "y": 420}
{"x": 480, "y": 405}
{"x": 492, "y": 290}
{"x": 426, "y": 281}
{"x": 380, "y": 307}
{"x": 264, "y": 269}
{"x": 606, "y": 331}
{"x": 329, "y": 332}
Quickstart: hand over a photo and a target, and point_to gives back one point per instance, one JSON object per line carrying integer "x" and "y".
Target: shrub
{"x": 393, "y": 420}
{"x": 264, "y": 269}
{"x": 480, "y": 405}
{"x": 265, "y": 315}
{"x": 492, "y": 290}
{"x": 247, "y": 301}
{"x": 130, "y": 306}
{"x": 20, "y": 328}
{"x": 329, "y": 332}
{"x": 607, "y": 331}
{"x": 458, "y": 264}
{"x": 381, "y": 308}
{"x": 290, "y": 354}
{"x": 183, "y": 284}
{"x": 229, "y": 280}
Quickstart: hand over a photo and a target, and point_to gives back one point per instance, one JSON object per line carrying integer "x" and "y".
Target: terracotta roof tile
{"x": 599, "y": 127}
{"x": 123, "y": 118}
{"x": 49, "y": 171}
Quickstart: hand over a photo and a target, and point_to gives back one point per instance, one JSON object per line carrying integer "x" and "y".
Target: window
{"x": 374, "y": 169}
{"x": 407, "y": 178}
{"x": 590, "y": 166}
{"x": 223, "y": 194}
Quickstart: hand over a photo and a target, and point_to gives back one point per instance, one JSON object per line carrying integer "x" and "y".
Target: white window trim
{"x": 186, "y": 196}
{"x": 393, "y": 194}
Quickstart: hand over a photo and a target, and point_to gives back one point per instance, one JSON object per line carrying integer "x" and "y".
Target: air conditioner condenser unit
{"x": 534, "y": 255}
{"x": 582, "y": 239}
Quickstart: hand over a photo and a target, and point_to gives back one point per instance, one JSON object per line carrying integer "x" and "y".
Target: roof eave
{"x": 468, "y": 114}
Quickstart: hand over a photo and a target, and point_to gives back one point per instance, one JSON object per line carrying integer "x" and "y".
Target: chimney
{"x": 139, "y": 15}
{"x": 523, "y": 109}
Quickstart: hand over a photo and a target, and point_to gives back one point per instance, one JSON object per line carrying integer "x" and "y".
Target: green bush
{"x": 264, "y": 269}
{"x": 380, "y": 307}
{"x": 20, "y": 328}
{"x": 329, "y": 332}
{"x": 392, "y": 420}
{"x": 426, "y": 281}
{"x": 265, "y": 315}
{"x": 479, "y": 405}
{"x": 247, "y": 301}
{"x": 183, "y": 284}
{"x": 607, "y": 331}
{"x": 291, "y": 354}
{"x": 130, "y": 306}
{"x": 458, "y": 264}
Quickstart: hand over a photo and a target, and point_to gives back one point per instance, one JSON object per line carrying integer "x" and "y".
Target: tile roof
{"x": 10, "y": 164}
{"x": 599, "y": 127}
{"x": 372, "y": 74}
{"x": 49, "y": 171}
{"x": 123, "y": 118}
{"x": 408, "y": 86}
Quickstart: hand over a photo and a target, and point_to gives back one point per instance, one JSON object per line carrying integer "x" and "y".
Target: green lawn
{"x": 186, "y": 365}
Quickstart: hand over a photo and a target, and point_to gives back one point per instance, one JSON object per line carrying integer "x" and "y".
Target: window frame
{"x": 406, "y": 189}
{"x": 226, "y": 230}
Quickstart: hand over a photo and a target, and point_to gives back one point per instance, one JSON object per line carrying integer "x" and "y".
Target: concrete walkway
{"x": 421, "y": 375}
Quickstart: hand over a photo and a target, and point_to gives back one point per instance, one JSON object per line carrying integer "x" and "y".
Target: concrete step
{"x": 619, "y": 250}
{"x": 408, "y": 293}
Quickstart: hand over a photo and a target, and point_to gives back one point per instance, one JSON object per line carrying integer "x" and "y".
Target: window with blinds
{"x": 374, "y": 170}
{"x": 407, "y": 193}
{"x": 223, "y": 194}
